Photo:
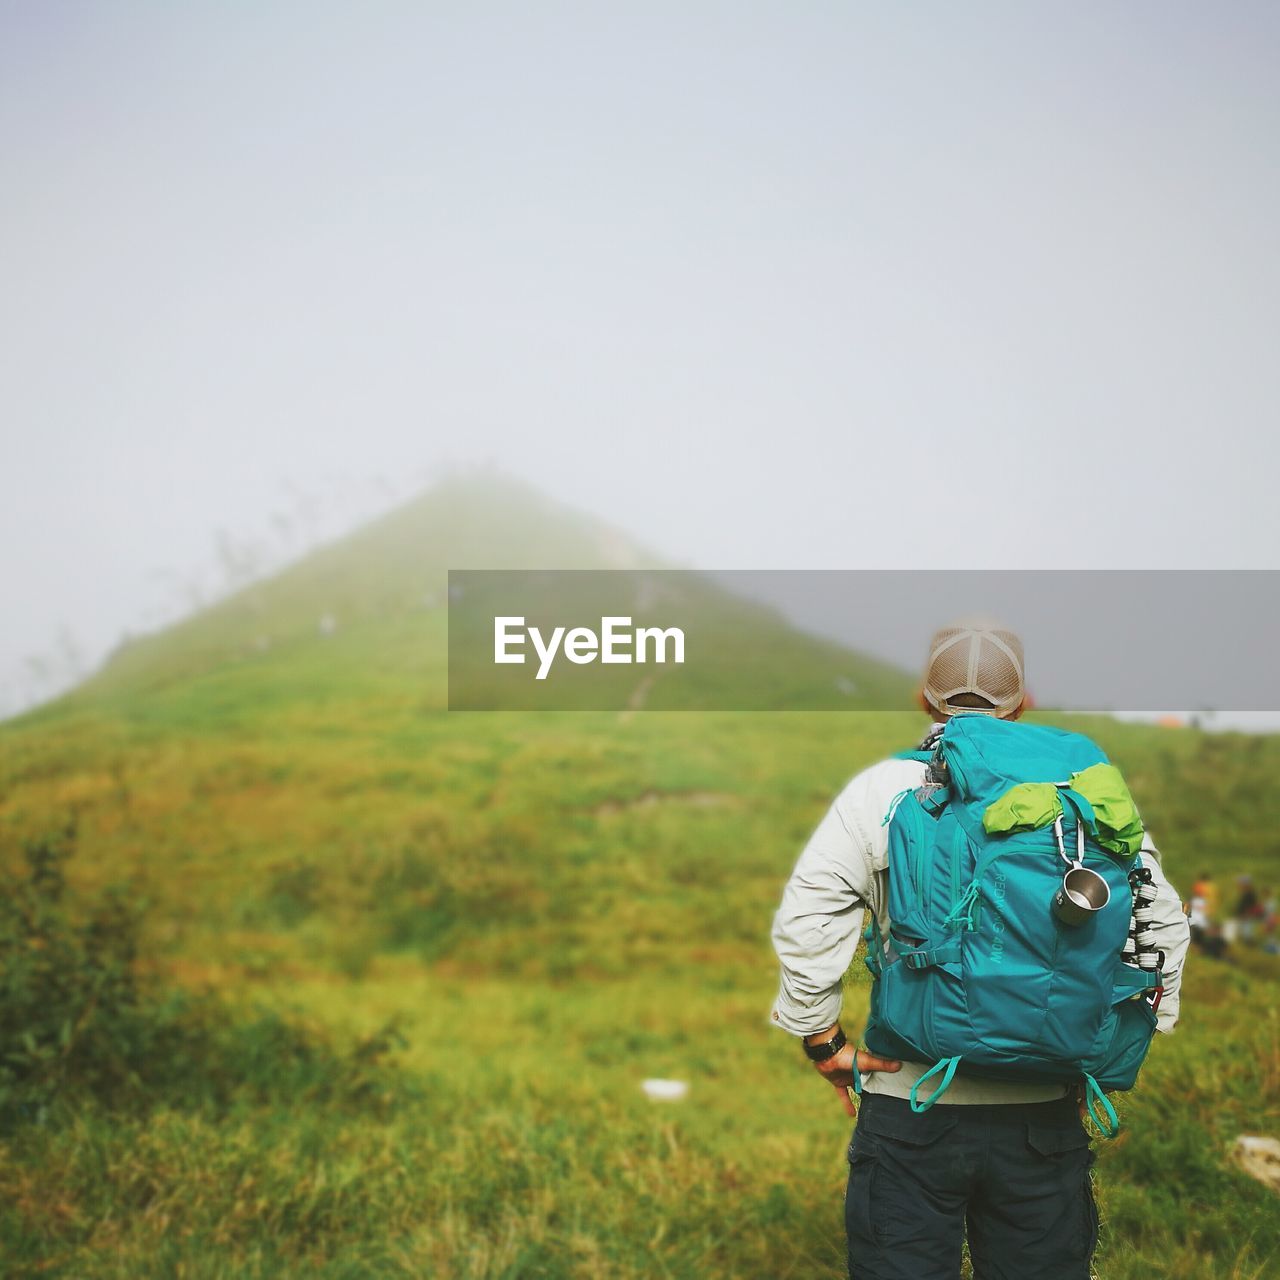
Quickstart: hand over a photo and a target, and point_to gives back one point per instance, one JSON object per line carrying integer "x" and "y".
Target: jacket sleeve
{"x": 1173, "y": 937}
{"x": 816, "y": 929}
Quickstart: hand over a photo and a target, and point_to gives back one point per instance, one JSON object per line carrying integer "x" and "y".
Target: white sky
{"x": 824, "y": 285}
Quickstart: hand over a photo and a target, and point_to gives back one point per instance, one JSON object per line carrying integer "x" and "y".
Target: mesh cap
{"x": 975, "y": 664}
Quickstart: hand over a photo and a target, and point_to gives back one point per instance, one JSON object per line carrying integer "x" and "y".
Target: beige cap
{"x": 975, "y": 664}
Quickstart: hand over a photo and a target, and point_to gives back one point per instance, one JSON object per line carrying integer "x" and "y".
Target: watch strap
{"x": 828, "y": 1048}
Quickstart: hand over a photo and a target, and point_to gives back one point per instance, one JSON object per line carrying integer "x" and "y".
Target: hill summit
{"x": 371, "y": 609}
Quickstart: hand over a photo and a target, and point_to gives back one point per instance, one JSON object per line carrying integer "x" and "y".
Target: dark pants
{"x": 1016, "y": 1176}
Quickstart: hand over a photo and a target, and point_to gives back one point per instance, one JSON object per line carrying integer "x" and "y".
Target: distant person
{"x": 1249, "y": 910}
{"x": 1207, "y": 930}
{"x": 1007, "y": 1159}
{"x": 1199, "y": 915}
{"x": 1212, "y": 903}
{"x": 1270, "y": 920}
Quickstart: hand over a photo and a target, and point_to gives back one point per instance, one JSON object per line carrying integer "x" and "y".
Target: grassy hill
{"x": 424, "y": 959}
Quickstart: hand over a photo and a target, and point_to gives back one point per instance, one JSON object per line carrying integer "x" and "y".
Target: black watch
{"x": 828, "y": 1049}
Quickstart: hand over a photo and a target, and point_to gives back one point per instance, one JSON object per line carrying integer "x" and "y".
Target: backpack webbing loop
{"x": 1083, "y": 809}
{"x": 1108, "y": 1122}
{"x": 894, "y": 803}
{"x": 948, "y": 1067}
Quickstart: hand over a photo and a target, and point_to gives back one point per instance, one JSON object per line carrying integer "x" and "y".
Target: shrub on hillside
{"x": 79, "y": 1021}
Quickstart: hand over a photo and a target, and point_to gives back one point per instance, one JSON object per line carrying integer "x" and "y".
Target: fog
{"x": 830, "y": 286}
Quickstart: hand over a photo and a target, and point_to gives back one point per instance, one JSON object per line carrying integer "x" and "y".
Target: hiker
{"x": 1250, "y": 913}
{"x": 1270, "y": 919}
{"x": 1007, "y": 1159}
{"x": 1206, "y": 929}
{"x": 1200, "y": 915}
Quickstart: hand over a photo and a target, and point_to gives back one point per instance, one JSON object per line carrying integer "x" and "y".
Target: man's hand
{"x": 838, "y": 1071}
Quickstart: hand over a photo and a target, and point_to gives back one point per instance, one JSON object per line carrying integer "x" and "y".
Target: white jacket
{"x": 841, "y": 872}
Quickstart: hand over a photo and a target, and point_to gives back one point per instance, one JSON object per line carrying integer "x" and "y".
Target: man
{"x": 1009, "y": 1161}
{"x": 1198, "y": 913}
{"x": 1248, "y": 908}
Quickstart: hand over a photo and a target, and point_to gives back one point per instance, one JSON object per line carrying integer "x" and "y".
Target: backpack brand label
{"x": 998, "y": 894}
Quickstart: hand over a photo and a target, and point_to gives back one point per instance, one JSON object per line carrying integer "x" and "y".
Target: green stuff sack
{"x": 1026, "y": 807}
{"x": 1119, "y": 826}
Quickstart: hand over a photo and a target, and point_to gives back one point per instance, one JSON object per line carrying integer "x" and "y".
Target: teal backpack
{"x": 979, "y": 974}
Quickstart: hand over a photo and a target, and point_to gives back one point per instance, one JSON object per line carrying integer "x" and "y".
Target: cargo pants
{"x": 1016, "y": 1178}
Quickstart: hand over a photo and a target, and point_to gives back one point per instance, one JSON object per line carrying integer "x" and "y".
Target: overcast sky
{"x": 820, "y": 285}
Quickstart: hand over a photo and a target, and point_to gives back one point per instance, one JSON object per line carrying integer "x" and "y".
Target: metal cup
{"x": 1083, "y": 893}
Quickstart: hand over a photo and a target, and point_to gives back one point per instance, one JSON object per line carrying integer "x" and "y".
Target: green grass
{"x": 550, "y": 908}
{"x": 555, "y": 908}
